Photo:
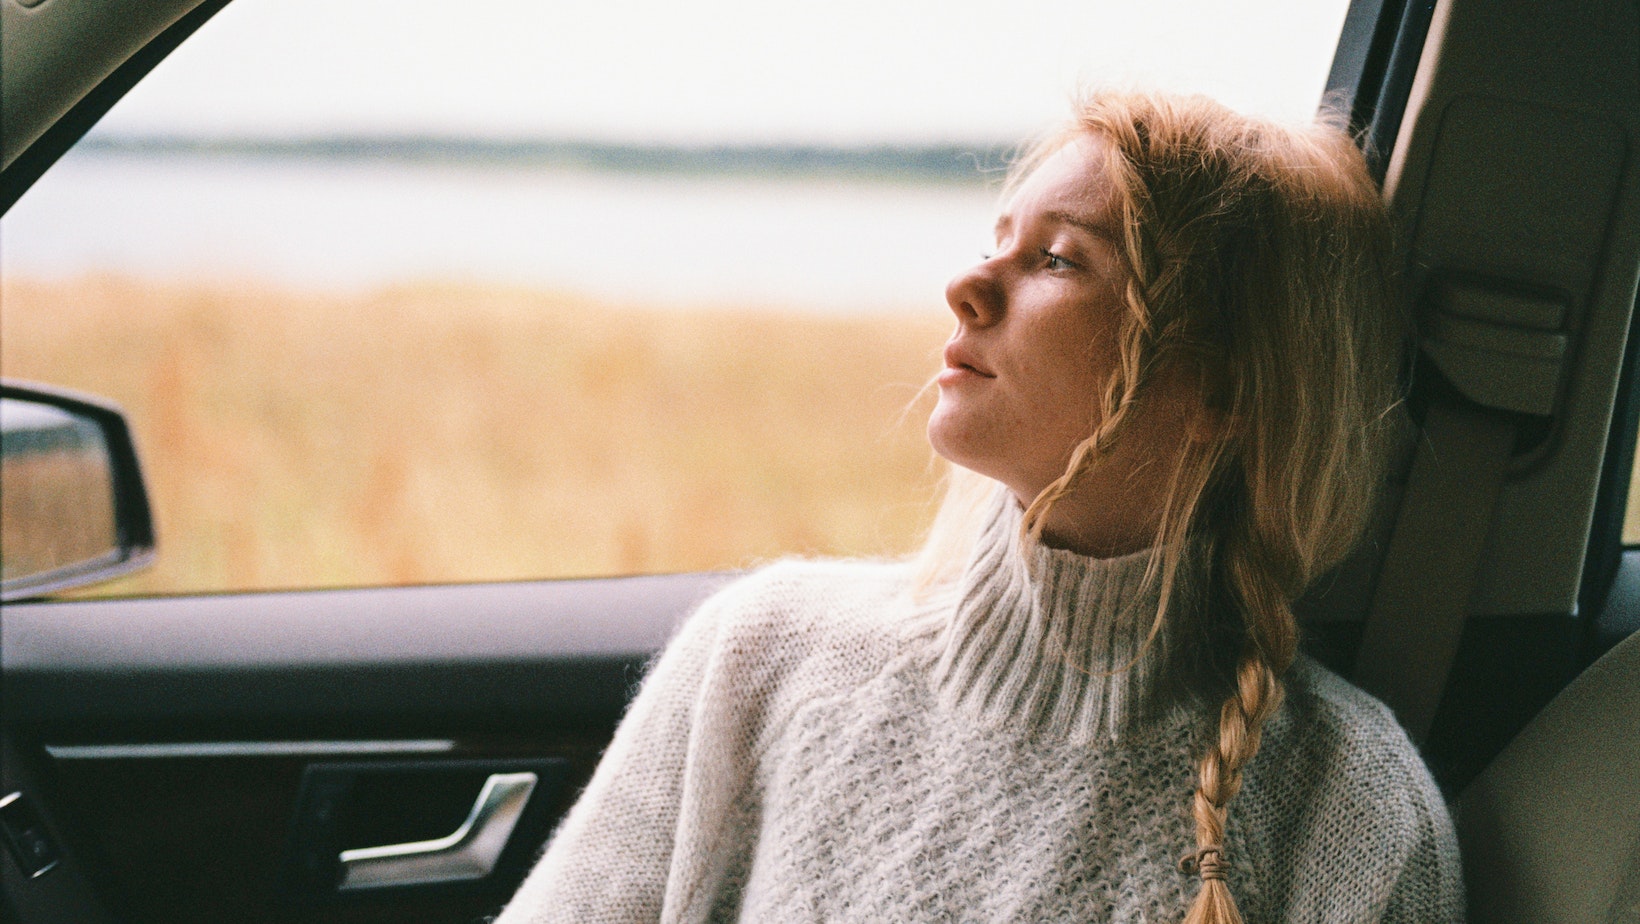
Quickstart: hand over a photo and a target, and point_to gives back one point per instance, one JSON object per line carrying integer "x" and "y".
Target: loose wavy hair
{"x": 1261, "y": 256}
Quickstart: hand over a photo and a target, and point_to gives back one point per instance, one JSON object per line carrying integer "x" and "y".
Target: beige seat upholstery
{"x": 1551, "y": 831}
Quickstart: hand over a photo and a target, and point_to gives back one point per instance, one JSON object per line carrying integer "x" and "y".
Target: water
{"x": 789, "y": 243}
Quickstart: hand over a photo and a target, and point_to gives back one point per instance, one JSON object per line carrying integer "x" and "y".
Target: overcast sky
{"x": 718, "y": 70}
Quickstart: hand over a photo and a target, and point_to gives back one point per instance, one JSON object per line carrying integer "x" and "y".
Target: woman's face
{"x": 1035, "y": 344}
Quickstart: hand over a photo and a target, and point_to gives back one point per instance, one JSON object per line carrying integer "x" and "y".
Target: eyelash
{"x": 1055, "y": 261}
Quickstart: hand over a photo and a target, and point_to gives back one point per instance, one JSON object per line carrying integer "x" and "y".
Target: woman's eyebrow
{"x": 1095, "y": 228}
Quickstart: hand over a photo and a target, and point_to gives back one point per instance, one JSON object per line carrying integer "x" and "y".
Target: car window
{"x": 396, "y": 295}
{"x": 1631, "y": 514}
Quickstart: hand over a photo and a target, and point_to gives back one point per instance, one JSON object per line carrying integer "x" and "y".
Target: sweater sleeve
{"x": 612, "y": 857}
{"x": 1429, "y": 889}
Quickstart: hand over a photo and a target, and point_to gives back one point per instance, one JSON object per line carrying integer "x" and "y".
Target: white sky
{"x": 719, "y": 70}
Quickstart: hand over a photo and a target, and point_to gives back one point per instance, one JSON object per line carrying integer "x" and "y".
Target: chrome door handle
{"x": 470, "y": 852}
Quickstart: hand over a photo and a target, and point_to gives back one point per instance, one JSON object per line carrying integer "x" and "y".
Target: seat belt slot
{"x": 1501, "y": 349}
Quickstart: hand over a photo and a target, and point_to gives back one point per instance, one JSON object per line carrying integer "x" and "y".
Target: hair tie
{"x": 1208, "y": 861}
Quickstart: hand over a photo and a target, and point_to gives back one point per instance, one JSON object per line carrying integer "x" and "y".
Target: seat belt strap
{"x": 1430, "y": 569}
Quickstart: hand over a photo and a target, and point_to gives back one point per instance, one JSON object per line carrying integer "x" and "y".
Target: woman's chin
{"x": 954, "y": 441}
{"x": 943, "y": 431}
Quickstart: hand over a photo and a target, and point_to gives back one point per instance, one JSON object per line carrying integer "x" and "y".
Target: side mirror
{"x": 73, "y": 509}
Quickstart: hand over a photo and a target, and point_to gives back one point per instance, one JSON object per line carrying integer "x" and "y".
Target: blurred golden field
{"x": 443, "y": 432}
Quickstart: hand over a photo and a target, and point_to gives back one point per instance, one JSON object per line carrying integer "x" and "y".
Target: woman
{"x": 1083, "y": 701}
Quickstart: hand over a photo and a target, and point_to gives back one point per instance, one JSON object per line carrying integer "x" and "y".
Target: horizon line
{"x": 949, "y": 160}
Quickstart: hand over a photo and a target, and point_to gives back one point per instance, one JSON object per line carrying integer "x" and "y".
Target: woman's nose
{"x": 974, "y": 297}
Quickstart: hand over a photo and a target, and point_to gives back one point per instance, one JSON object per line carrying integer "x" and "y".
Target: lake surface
{"x": 810, "y": 243}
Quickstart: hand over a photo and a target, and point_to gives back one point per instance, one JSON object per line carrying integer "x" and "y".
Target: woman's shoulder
{"x": 818, "y": 581}
{"x": 808, "y": 596}
{"x": 1350, "y": 718}
{"x": 836, "y": 617}
{"x": 1354, "y": 735}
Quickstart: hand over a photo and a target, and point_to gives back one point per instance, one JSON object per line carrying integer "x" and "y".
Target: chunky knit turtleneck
{"x": 819, "y": 743}
{"x": 1059, "y": 642}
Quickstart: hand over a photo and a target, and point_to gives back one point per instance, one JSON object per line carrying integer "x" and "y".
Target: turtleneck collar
{"x": 1056, "y": 642}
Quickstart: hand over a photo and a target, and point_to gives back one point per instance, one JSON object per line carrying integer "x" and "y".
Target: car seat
{"x": 1550, "y": 831}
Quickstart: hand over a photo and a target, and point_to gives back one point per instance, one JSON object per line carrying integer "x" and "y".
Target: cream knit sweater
{"x": 816, "y": 745}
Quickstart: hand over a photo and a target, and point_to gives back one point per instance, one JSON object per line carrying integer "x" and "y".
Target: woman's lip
{"x": 958, "y": 360}
{"x": 950, "y": 375}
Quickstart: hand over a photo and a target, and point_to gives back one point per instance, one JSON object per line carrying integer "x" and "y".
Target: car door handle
{"x": 469, "y": 852}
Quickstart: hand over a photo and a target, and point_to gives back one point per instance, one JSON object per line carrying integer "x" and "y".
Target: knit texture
{"x": 819, "y": 744}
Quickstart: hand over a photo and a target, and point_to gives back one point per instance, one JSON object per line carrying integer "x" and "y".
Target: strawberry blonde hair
{"x": 1260, "y": 255}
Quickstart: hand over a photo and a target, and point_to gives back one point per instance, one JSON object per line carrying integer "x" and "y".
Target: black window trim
{"x": 38, "y": 157}
{"x": 1373, "y": 68}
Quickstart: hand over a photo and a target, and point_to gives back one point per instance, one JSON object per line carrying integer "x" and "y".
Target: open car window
{"x": 546, "y": 290}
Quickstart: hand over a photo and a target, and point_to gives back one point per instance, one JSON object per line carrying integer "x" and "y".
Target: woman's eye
{"x": 1056, "y": 262}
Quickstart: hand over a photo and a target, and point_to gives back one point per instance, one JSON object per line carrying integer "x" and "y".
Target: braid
{"x": 1271, "y": 639}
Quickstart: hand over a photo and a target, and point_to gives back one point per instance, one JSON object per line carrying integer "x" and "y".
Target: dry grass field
{"x": 436, "y": 432}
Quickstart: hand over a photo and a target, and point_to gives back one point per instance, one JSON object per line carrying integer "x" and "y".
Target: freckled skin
{"x": 1034, "y": 347}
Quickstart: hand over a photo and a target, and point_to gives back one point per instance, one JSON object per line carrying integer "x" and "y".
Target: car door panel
{"x": 556, "y": 647}
{"x": 168, "y": 739}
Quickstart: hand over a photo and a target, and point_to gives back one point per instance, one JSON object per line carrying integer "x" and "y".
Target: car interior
{"x": 250, "y": 756}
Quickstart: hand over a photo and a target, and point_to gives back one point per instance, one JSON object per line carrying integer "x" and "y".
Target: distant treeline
{"x": 947, "y": 162}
